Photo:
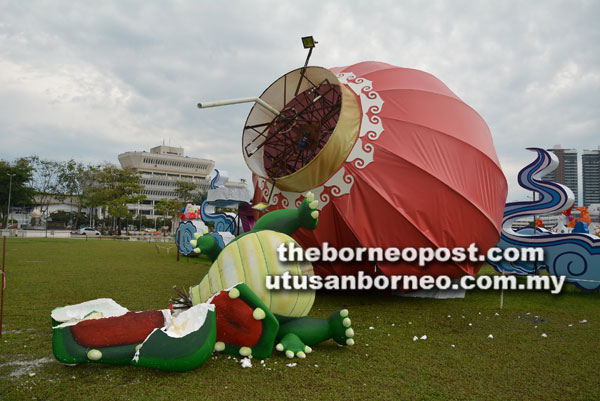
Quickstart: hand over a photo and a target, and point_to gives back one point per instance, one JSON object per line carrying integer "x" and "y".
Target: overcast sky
{"x": 92, "y": 79}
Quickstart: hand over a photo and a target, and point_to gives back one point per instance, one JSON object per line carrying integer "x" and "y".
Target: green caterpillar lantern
{"x": 230, "y": 310}
{"x": 249, "y": 259}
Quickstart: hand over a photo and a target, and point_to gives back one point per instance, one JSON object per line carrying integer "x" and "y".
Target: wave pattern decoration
{"x": 184, "y": 234}
{"x": 222, "y": 221}
{"x": 574, "y": 255}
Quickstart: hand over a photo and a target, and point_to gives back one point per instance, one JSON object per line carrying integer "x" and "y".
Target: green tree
{"x": 199, "y": 197}
{"x": 169, "y": 207}
{"x": 20, "y": 192}
{"x": 185, "y": 190}
{"x": 44, "y": 181}
{"x": 74, "y": 181}
{"x": 66, "y": 217}
{"x": 113, "y": 189}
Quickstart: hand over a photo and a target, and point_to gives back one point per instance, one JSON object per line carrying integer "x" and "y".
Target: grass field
{"x": 385, "y": 364}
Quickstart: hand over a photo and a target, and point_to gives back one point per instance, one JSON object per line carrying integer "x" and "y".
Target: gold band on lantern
{"x": 333, "y": 153}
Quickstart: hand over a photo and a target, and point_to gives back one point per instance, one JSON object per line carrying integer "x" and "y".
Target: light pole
{"x": 140, "y": 216}
{"x": 9, "y": 194}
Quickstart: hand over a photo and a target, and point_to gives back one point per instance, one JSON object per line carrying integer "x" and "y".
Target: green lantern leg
{"x": 206, "y": 244}
{"x": 287, "y": 221}
{"x": 297, "y": 335}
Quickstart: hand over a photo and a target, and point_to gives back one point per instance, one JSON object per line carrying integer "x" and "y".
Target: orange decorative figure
{"x": 585, "y": 215}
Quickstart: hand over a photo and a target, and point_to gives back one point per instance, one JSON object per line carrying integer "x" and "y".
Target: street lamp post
{"x": 9, "y": 194}
{"x": 140, "y": 216}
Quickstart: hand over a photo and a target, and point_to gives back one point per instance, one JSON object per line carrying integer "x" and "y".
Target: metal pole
{"x": 535, "y": 268}
{"x": 178, "y": 243}
{"x": 3, "y": 283}
{"x": 226, "y": 102}
{"x": 502, "y": 294}
{"x": 8, "y": 212}
{"x": 303, "y": 71}
{"x": 534, "y": 225}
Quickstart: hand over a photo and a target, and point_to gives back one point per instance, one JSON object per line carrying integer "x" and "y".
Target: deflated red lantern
{"x": 395, "y": 158}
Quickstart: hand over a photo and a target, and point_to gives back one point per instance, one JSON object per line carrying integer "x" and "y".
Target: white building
{"x": 161, "y": 168}
{"x": 590, "y": 166}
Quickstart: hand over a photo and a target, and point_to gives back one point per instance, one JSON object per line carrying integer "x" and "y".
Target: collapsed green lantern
{"x": 229, "y": 311}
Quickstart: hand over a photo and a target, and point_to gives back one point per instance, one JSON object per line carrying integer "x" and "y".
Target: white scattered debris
{"x": 583, "y": 321}
{"x": 453, "y": 346}
{"x": 246, "y": 363}
{"x": 393, "y": 324}
{"x": 463, "y": 316}
{"x": 415, "y": 338}
{"x": 544, "y": 335}
{"x": 31, "y": 374}
{"x": 316, "y": 366}
{"x": 371, "y": 328}
{"x": 366, "y": 354}
{"x": 424, "y": 337}
{"x": 409, "y": 322}
{"x": 490, "y": 336}
{"x": 570, "y": 324}
{"x": 26, "y": 367}
{"x": 366, "y": 345}
{"x": 527, "y": 313}
{"x": 388, "y": 334}
{"x": 470, "y": 324}
{"x": 479, "y": 313}
{"x": 262, "y": 361}
{"x": 449, "y": 316}
{"x": 496, "y": 314}
{"x": 291, "y": 365}
{"x": 535, "y": 327}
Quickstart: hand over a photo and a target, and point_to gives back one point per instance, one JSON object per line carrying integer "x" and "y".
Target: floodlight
{"x": 308, "y": 42}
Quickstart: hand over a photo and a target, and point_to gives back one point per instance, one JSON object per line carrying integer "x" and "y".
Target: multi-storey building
{"x": 161, "y": 168}
{"x": 566, "y": 172}
{"x": 590, "y": 161}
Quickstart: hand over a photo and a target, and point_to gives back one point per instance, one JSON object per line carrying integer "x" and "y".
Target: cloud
{"x": 92, "y": 82}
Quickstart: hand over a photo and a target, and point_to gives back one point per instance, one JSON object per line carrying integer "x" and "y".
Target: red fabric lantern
{"x": 422, "y": 171}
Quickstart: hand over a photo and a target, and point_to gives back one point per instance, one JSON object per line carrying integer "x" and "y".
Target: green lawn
{"x": 385, "y": 363}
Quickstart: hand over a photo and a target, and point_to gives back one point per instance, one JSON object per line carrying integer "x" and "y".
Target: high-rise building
{"x": 566, "y": 172}
{"x": 590, "y": 161}
{"x": 161, "y": 168}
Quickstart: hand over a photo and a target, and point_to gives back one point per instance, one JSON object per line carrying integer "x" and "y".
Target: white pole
{"x": 226, "y": 102}
{"x": 8, "y": 212}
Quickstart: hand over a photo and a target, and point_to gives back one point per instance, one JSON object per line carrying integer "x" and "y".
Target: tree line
{"x": 34, "y": 181}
